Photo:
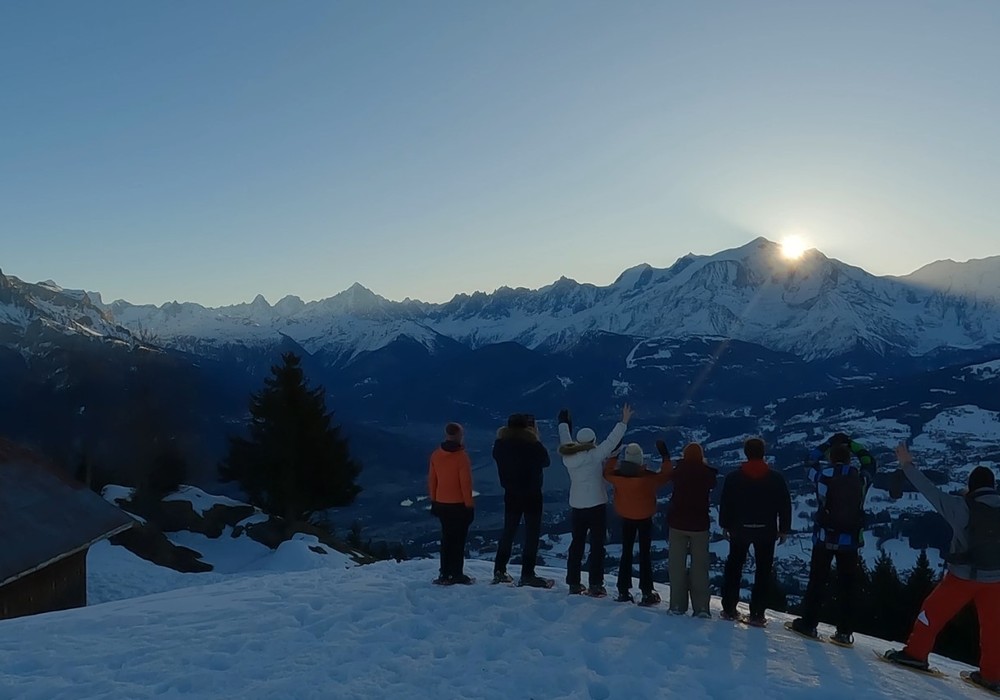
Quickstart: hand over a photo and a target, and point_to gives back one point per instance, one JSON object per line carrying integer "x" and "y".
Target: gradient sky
{"x": 208, "y": 151}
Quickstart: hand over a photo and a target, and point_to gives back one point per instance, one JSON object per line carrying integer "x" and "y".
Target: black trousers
{"x": 455, "y": 520}
{"x": 595, "y": 521}
{"x": 518, "y": 506}
{"x": 763, "y": 551}
{"x": 819, "y": 575}
{"x": 644, "y": 530}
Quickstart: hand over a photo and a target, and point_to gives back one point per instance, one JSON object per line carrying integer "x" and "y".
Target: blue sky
{"x": 210, "y": 151}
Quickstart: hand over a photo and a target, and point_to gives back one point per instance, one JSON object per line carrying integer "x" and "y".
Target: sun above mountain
{"x": 793, "y": 247}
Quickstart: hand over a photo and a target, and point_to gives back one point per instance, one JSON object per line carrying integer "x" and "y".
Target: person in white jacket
{"x": 588, "y": 497}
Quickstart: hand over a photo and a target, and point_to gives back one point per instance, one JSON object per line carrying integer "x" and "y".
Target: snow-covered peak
{"x": 975, "y": 279}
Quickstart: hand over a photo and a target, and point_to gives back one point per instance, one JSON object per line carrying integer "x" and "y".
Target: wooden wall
{"x": 59, "y": 586}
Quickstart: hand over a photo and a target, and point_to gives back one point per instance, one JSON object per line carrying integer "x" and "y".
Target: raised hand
{"x": 903, "y": 454}
{"x": 626, "y": 413}
{"x": 661, "y": 447}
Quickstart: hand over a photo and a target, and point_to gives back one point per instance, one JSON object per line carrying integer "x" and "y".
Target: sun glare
{"x": 793, "y": 247}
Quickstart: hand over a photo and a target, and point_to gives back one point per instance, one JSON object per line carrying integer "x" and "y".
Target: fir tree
{"x": 919, "y": 584}
{"x": 295, "y": 462}
{"x": 885, "y": 615}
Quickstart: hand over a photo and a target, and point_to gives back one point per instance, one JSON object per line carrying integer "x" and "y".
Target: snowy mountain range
{"x": 814, "y": 307}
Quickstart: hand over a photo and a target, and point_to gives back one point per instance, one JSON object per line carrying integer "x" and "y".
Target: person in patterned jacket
{"x": 841, "y": 488}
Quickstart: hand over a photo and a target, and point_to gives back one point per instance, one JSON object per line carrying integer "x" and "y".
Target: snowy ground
{"x": 383, "y": 631}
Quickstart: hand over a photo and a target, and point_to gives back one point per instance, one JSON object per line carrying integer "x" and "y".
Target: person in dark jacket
{"x": 520, "y": 458}
{"x": 755, "y": 511}
{"x": 688, "y": 520}
{"x": 840, "y": 495}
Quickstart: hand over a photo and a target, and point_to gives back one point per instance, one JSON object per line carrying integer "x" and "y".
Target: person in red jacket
{"x": 688, "y": 519}
{"x": 635, "y": 503}
{"x": 449, "y": 485}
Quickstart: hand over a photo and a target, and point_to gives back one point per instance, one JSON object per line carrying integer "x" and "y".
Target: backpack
{"x": 842, "y": 510}
{"x": 984, "y": 537}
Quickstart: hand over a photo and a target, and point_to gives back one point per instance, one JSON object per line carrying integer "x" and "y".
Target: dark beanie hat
{"x": 982, "y": 478}
{"x": 840, "y": 453}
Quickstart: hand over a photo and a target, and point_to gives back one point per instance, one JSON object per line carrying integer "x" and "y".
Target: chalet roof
{"x": 45, "y": 516}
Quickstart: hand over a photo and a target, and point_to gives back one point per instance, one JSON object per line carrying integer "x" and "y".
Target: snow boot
{"x": 463, "y": 580}
{"x": 677, "y": 611}
{"x": 502, "y": 577}
{"x": 443, "y": 581}
{"x": 597, "y": 592}
{"x": 976, "y": 678}
{"x": 843, "y": 639}
{"x": 731, "y": 616}
{"x": 536, "y": 582}
{"x": 650, "y": 599}
{"x": 757, "y": 621}
{"x": 624, "y": 597}
{"x": 703, "y": 615}
{"x": 799, "y": 625}
{"x": 576, "y": 589}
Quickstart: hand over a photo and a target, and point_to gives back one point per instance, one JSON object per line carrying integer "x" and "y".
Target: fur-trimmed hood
{"x": 525, "y": 434}
{"x": 575, "y": 448}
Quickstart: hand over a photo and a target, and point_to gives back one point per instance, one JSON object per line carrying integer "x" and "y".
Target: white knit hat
{"x": 585, "y": 435}
{"x": 633, "y": 453}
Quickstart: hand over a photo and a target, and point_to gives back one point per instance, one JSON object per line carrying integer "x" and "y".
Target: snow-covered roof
{"x": 45, "y": 517}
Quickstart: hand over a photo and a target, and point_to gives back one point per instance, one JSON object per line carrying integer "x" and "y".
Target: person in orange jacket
{"x": 449, "y": 485}
{"x": 635, "y": 503}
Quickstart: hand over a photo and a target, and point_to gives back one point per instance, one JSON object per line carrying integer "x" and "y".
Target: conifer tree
{"x": 919, "y": 584}
{"x": 295, "y": 461}
{"x": 885, "y": 612}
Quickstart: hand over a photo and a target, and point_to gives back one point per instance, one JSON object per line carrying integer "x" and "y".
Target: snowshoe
{"x": 443, "y": 581}
{"x": 624, "y": 597}
{"x": 757, "y": 621}
{"x": 577, "y": 589}
{"x": 703, "y": 615}
{"x": 650, "y": 599}
{"x": 976, "y": 679}
{"x": 597, "y": 592}
{"x": 536, "y": 582}
{"x": 463, "y": 580}
{"x": 903, "y": 660}
{"x": 502, "y": 577}
{"x": 677, "y": 611}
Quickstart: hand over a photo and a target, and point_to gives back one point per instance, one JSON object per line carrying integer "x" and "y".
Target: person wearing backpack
{"x": 973, "y": 574}
{"x": 841, "y": 488}
{"x": 755, "y": 510}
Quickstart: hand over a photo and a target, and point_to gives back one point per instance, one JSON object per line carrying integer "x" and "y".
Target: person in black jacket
{"x": 755, "y": 511}
{"x": 520, "y": 458}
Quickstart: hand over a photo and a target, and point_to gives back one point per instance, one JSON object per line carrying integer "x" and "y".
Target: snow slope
{"x": 383, "y": 631}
